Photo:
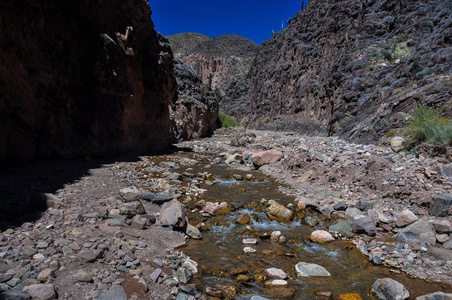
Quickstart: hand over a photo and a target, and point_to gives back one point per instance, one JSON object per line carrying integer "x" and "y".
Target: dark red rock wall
{"x": 71, "y": 84}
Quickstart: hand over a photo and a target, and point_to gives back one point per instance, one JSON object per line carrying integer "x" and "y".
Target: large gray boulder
{"x": 441, "y": 205}
{"x": 419, "y": 232}
{"x": 172, "y": 214}
{"x": 365, "y": 225}
{"x": 389, "y": 289}
{"x": 435, "y": 296}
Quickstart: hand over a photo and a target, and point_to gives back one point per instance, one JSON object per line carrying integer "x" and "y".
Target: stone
{"x": 341, "y": 227}
{"x": 155, "y": 275}
{"x": 115, "y": 292}
{"x": 193, "y": 232}
{"x": 139, "y": 222}
{"x": 130, "y": 194}
{"x": 389, "y": 289}
{"x": 243, "y": 219}
{"x": 304, "y": 269}
{"x": 377, "y": 163}
{"x": 17, "y": 293}
{"x": 87, "y": 256}
{"x": 266, "y": 157}
{"x": 440, "y": 205}
{"x": 157, "y": 198}
{"x": 321, "y": 236}
{"x": 442, "y": 226}
{"x": 278, "y": 212}
{"x": 397, "y": 144}
{"x": 255, "y": 297}
{"x": 353, "y": 212}
{"x": 446, "y": 170}
{"x": 405, "y": 218}
{"x": 131, "y": 208}
{"x": 307, "y": 176}
{"x": 249, "y": 241}
{"x": 172, "y": 214}
{"x": 276, "y": 273}
{"x": 243, "y": 278}
{"x": 364, "y": 204}
{"x": 83, "y": 276}
{"x": 175, "y": 176}
{"x": 41, "y": 291}
{"x": 115, "y": 223}
{"x": 341, "y": 206}
{"x": 214, "y": 208}
{"x": 420, "y": 232}
{"x": 350, "y": 296}
{"x": 249, "y": 250}
{"x": 435, "y": 296}
{"x": 45, "y": 275}
{"x": 442, "y": 238}
{"x": 364, "y": 225}
{"x": 275, "y": 282}
{"x": 169, "y": 165}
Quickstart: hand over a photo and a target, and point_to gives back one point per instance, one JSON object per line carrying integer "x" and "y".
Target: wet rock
{"x": 389, "y": 289}
{"x": 115, "y": 292}
{"x": 243, "y": 219}
{"x": 266, "y": 157}
{"x": 405, "y": 218}
{"x": 243, "y": 278}
{"x": 304, "y": 269}
{"x": 278, "y": 212}
{"x": 214, "y": 292}
{"x": 364, "y": 225}
{"x": 214, "y": 208}
{"x": 130, "y": 194}
{"x": 172, "y": 214}
{"x": 341, "y": 227}
{"x": 435, "y": 296}
{"x": 321, "y": 236}
{"x": 255, "y": 297}
{"x": 311, "y": 220}
{"x": 420, "y": 232}
{"x": 249, "y": 241}
{"x": 350, "y": 296}
{"x": 193, "y": 232}
{"x": 249, "y": 250}
{"x": 229, "y": 291}
{"x": 275, "y": 282}
{"x": 157, "y": 198}
{"x": 41, "y": 291}
{"x": 168, "y": 165}
{"x": 276, "y": 273}
{"x": 397, "y": 144}
{"x": 234, "y": 159}
{"x": 440, "y": 205}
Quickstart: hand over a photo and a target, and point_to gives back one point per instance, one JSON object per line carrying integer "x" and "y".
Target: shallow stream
{"x": 220, "y": 252}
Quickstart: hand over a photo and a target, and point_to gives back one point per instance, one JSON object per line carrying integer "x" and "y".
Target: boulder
{"x": 405, "y": 218}
{"x": 389, "y": 289}
{"x": 172, "y": 214}
{"x": 435, "y": 296}
{"x": 397, "y": 144}
{"x": 243, "y": 219}
{"x": 115, "y": 292}
{"x": 41, "y": 291}
{"x": 130, "y": 194}
{"x": 419, "y": 232}
{"x": 278, "y": 212}
{"x": 321, "y": 236}
{"x": 310, "y": 270}
{"x": 440, "y": 205}
{"x": 131, "y": 208}
{"x": 266, "y": 157}
{"x": 193, "y": 232}
{"x": 364, "y": 225}
{"x": 341, "y": 227}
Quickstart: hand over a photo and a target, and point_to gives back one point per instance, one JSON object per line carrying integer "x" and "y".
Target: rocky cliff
{"x": 82, "y": 78}
{"x": 195, "y": 111}
{"x": 350, "y": 68}
{"x": 218, "y": 61}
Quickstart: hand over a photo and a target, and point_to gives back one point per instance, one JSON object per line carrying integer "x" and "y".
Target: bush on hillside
{"x": 428, "y": 126}
{"x": 227, "y": 121}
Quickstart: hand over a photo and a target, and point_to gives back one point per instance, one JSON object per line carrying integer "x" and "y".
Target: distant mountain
{"x": 218, "y": 61}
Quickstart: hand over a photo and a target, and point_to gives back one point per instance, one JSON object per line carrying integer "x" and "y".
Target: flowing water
{"x": 220, "y": 252}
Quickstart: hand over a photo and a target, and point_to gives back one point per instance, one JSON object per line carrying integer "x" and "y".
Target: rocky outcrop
{"x": 349, "y": 68}
{"x": 195, "y": 110}
{"x": 82, "y": 78}
{"x": 220, "y": 61}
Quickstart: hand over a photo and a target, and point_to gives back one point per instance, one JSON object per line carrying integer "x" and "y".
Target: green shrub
{"x": 227, "y": 121}
{"x": 428, "y": 126}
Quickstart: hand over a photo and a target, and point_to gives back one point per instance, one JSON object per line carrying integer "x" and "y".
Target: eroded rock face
{"x": 82, "y": 78}
{"x": 357, "y": 74}
{"x": 195, "y": 111}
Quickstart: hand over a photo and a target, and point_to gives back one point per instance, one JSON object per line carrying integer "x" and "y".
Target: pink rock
{"x": 321, "y": 236}
{"x": 405, "y": 218}
{"x": 213, "y": 208}
{"x": 130, "y": 194}
{"x": 266, "y": 157}
{"x": 276, "y": 273}
{"x": 41, "y": 291}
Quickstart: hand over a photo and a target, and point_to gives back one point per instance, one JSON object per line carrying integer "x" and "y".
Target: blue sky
{"x": 253, "y": 19}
